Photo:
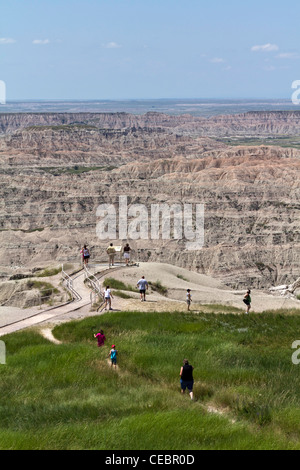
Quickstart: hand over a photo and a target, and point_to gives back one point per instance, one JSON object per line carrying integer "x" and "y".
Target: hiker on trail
{"x": 186, "y": 378}
{"x": 111, "y": 255}
{"x": 107, "y": 298}
{"x": 247, "y": 301}
{"x": 85, "y": 255}
{"x": 188, "y": 298}
{"x": 142, "y": 284}
{"x": 113, "y": 356}
{"x": 127, "y": 251}
{"x": 101, "y": 338}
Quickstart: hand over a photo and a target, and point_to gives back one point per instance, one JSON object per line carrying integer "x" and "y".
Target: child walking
{"x": 113, "y": 356}
{"x": 188, "y": 298}
{"x": 107, "y": 298}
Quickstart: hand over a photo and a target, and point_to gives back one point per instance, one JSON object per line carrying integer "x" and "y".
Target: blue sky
{"x": 148, "y": 49}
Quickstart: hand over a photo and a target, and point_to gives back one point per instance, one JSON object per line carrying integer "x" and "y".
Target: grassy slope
{"x": 67, "y": 397}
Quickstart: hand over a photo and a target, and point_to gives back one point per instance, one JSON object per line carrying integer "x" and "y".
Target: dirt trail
{"x": 206, "y": 292}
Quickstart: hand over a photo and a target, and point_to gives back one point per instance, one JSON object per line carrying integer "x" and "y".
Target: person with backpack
{"x": 85, "y": 255}
{"x": 247, "y": 301}
{"x": 113, "y": 356}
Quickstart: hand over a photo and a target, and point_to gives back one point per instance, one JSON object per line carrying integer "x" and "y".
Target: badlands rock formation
{"x": 251, "y": 123}
{"x": 56, "y": 169}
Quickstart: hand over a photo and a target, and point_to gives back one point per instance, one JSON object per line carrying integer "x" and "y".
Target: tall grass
{"x": 68, "y": 397}
{"x": 49, "y": 272}
{"x": 122, "y": 295}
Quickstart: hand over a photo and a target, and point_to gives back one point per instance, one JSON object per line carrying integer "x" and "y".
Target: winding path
{"x": 32, "y": 317}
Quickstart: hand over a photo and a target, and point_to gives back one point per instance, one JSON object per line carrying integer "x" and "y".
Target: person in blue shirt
{"x": 142, "y": 284}
{"x": 113, "y": 356}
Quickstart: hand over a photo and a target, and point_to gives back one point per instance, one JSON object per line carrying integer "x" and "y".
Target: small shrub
{"x": 48, "y": 272}
{"x": 46, "y": 289}
{"x": 179, "y": 276}
{"x": 158, "y": 287}
{"x": 115, "y": 284}
{"x": 260, "y": 414}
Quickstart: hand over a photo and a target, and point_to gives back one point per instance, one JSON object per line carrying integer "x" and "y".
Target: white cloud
{"x": 265, "y": 48}
{"x": 7, "y": 41}
{"x": 112, "y": 45}
{"x": 41, "y": 41}
{"x": 288, "y": 55}
{"x": 217, "y": 60}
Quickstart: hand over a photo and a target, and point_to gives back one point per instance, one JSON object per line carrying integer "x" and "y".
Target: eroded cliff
{"x": 57, "y": 169}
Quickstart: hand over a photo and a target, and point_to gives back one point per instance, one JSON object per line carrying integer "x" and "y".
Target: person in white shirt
{"x": 142, "y": 284}
{"x": 85, "y": 255}
{"x": 107, "y": 298}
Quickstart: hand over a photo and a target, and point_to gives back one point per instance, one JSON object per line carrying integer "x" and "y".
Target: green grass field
{"x": 67, "y": 396}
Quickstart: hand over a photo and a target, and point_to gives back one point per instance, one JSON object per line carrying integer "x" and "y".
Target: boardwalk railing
{"x": 94, "y": 283}
{"x": 69, "y": 285}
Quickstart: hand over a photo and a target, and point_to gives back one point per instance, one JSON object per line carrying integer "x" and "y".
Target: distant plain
{"x": 195, "y": 107}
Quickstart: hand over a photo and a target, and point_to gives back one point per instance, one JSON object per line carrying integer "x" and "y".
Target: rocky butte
{"x": 57, "y": 168}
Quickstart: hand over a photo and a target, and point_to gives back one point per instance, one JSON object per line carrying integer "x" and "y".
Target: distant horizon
{"x": 201, "y": 107}
{"x": 71, "y": 100}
